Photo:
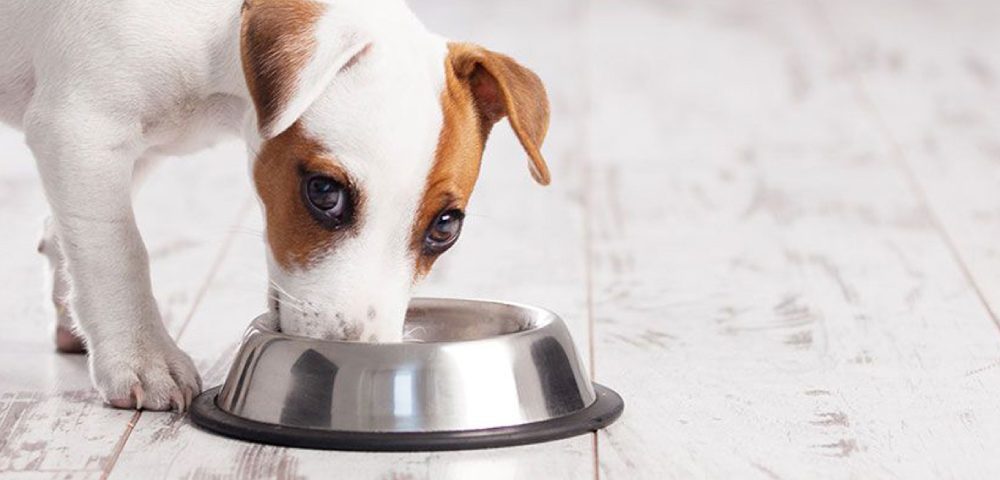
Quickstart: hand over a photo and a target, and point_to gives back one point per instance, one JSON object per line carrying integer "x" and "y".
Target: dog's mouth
{"x": 274, "y": 308}
{"x": 304, "y": 319}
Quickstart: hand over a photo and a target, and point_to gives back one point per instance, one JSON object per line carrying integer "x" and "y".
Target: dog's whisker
{"x": 286, "y": 298}
{"x": 283, "y": 291}
{"x": 287, "y": 303}
{"x": 409, "y": 332}
{"x": 283, "y": 297}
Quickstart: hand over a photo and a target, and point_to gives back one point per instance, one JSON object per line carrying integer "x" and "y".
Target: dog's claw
{"x": 177, "y": 400}
{"x": 133, "y": 401}
{"x": 188, "y": 394}
{"x": 139, "y": 395}
{"x": 155, "y": 381}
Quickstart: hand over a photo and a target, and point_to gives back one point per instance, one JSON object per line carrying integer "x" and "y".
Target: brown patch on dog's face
{"x": 276, "y": 43}
{"x": 294, "y": 235}
{"x": 456, "y": 163}
{"x": 481, "y": 88}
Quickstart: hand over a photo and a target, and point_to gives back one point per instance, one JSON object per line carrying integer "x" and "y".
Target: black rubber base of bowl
{"x": 608, "y": 407}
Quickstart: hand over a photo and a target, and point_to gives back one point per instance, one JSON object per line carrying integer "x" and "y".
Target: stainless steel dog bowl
{"x": 471, "y": 374}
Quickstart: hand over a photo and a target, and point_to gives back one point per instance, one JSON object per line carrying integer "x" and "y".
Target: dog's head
{"x": 370, "y": 133}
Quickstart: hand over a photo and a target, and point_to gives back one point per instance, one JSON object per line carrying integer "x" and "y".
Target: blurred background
{"x": 774, "y": 227}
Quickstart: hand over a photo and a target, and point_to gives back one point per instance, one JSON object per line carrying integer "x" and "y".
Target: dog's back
{"x": 157, "y": 58}
{"x": 16, "y": 77}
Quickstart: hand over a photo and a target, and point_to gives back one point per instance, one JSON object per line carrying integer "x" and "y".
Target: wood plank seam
{"x": 224, "y": 249}
{"x": 899, "y": 159}
{"x": 588, "y": 245}
{"x": 241, "y": 218}
{"x": 120, "y": 444}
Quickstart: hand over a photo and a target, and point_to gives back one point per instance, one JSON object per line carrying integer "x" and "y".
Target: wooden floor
{"x": 774, "y": 228}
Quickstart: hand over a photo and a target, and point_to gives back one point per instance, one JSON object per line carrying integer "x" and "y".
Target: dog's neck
{"x": 227, "y": 68}
{"x": 226, "y": 75}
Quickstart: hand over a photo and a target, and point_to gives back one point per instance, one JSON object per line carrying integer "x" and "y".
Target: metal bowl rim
{"x": 545, "y": 319}
{"x": 605, "y": 410}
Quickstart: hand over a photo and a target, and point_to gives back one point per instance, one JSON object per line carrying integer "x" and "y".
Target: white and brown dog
{"x": 365, "y": 134}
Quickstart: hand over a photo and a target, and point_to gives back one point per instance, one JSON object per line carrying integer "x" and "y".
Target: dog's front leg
{"x": 86, "y": 162}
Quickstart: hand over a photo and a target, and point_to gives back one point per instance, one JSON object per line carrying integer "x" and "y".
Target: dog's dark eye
{"x": 443, "y": 231}
{"x": 327, "y": 200}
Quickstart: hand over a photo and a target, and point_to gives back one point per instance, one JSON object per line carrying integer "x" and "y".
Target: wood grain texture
{"x": 52, "y": 424}
{"x": 778, "y": 219}
{"x": 932, "y": 84}
{"x": 772, "y": 297}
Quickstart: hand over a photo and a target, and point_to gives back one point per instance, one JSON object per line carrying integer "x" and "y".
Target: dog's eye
{"x": 327, "y": 200}
{"x": 443, "y": 231}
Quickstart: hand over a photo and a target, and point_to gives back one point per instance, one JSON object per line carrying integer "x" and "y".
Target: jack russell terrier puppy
{"x": 365, "y": 133}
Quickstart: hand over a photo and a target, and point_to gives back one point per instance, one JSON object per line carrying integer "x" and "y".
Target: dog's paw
{"x": 161, "y": 377}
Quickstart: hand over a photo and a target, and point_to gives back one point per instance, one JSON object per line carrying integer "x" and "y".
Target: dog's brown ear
{"x": 503, "y": 88}
{"x": 291, "y": 50}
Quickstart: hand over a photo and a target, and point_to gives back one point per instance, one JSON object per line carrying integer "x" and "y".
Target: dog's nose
{"x": 366, "y": 322}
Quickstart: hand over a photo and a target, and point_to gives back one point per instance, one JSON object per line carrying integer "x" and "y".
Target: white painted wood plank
{"x": 520, "y": 243}
{"x": 52, "y": 424}
{"x": 932, "y": 82}
{"x": 46, "y": 414}
{"x": 771, "y": 297}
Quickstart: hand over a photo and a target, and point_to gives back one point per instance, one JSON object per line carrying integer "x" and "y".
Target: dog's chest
{"x": 192, "y": 122}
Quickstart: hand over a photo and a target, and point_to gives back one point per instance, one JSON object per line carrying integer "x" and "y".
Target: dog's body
{"x": 365, "y": 134}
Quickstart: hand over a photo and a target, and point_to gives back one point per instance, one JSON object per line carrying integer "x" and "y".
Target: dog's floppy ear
{"x": 291, "y": 50}
{"x": 503, "y": 88}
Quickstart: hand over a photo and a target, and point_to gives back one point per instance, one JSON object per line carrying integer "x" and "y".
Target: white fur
{"x": 381, "y": 120}
{"x": 100, "y": 86}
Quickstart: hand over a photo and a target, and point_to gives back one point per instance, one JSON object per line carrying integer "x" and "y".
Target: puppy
{"x": 365, "y": 134}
